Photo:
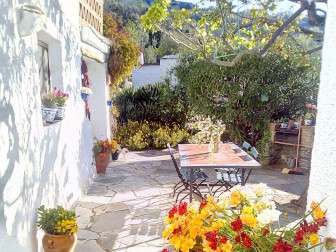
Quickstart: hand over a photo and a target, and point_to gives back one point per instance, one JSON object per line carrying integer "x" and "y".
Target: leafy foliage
{"x": 124, "y": 53}
{"x": 159, "y": 103}
{"x": 57, "y": 221}
{"x": 224, "y": 31}
{"x": 143, "y": 135}
{"x": 249, "y": 95}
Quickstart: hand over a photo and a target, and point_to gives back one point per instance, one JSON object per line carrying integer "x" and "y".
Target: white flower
{"x": 268, "y": 216}
{"x": 260, "y": 189}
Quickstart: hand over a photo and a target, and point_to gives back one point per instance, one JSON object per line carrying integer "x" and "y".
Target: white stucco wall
{"x": 98, "y": 100}
{"x": 39, "y": 165}
{"x": 149, "y": 74}
{"x": 323, "y": 172}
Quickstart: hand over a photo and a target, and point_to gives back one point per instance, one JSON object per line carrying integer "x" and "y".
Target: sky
{"x": 283, "y": 5}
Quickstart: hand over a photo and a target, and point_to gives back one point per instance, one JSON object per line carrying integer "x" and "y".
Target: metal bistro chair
{"x": 230, "y": 177}
{"x": 196, "y": 179}
{"x": 246, "y": 146}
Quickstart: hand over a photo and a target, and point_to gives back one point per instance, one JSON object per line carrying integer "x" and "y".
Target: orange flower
{"x": 317, "y": 212}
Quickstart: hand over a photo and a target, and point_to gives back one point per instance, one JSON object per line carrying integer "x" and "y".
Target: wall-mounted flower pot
{"x": 59, "y": 243}
{"x": 85, "y": 96}
{"x": 102, "y": 160}
{"x": 115, "y": 155}
{"x": 60, "y": 113}
{"x": 48, "y": 114}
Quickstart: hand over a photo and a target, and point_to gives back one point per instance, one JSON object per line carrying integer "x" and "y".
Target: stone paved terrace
{"x": 124, "y": 210}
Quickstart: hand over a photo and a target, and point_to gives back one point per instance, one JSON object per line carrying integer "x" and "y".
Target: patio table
{"x": 229, "y": 155}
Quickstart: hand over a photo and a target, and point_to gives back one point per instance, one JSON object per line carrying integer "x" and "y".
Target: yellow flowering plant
{"x": 57, "y": 221}
{"x": 242, "y": 220}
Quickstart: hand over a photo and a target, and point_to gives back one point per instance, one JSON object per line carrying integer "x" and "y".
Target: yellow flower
{"x": 314, "y": 239}
{"x": 187, "y": 244}
{"x": 217, "y": 224}
{"x": 317, "y": 212}
{"x": 176, "y": 242}
{"x": 249, "y": 220}
{"x": 247, "y": 210}
{"x": 227, "y": 247}
{"x": 236, "y": 198}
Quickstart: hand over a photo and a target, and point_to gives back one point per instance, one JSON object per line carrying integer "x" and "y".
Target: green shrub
{"x": 157, "y": 103}
{"x": 178, "y": 136}
{"x": 161, "y": 137}
{"x": 250, "y": 94}
{"x": 143, "y": 135}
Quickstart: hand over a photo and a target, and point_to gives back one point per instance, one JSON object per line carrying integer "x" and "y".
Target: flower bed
{"x": 241, "y": 221}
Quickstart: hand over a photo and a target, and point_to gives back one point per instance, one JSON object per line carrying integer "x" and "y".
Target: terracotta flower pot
{"x": 59, "y": 243}
{"x": 102, "y": 160}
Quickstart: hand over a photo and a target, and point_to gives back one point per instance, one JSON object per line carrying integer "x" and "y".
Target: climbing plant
{"x": 124, "y": 52}
{"x": 247, "y": 96}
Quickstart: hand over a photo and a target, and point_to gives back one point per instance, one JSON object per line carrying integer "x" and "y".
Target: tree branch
{"x": 313, "y": 50}
{"x": 236, "y": 59}
{"x": 282, "y": 28}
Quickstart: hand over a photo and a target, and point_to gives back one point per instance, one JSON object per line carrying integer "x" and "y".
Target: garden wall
{"x": 39, "y": 164}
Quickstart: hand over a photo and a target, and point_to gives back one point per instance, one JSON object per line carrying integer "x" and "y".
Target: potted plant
{"x": 101, "y": 150}
{"x": 60, "y": 99}
{"x": 115, "y": 150}
{"x": 49, "y": 108}
{"x": 60, "y": 228}
{"x": 85, "y": 93}
{"x": 243, "y": 220}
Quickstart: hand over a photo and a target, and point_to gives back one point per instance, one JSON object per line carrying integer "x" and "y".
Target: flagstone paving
{"x": 124, "y": 209}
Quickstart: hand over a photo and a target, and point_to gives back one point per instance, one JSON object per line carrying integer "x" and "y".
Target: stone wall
{"x": 283, "y": 153}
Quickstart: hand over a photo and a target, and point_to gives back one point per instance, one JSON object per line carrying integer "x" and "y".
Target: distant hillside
{"x": 131, "y": 10}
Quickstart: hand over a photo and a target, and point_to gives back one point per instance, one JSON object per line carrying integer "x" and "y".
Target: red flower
{"x": 182, "y": 209}
{"x": 211, "y": 236}
{"x": 299, "y": 236}
{"x": 213, "y": 245}
{"x": 223, "y": 239}
{"x": 165, "y": 250}
{"x": 203, "y": 203}
{"x": 177, "y": 231}
{"x": 282, "y": 246}
{"x": 237, "y": 238}
{"x": 172, "y": 212}
{"x": 246, "y": 240}
{"x": 237, "y": 225}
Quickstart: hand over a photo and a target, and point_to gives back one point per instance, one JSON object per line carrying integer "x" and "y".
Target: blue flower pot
{"x": 85, "y": 97}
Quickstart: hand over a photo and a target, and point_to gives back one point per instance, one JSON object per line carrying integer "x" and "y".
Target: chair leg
{"x": 179, "y": 193}
{"x": 176, "y": 187}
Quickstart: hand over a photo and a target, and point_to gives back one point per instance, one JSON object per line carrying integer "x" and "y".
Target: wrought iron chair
{"x": 246, "y": 146}
{"x": 196, "y": 179}
{"x": 230, "y": 177}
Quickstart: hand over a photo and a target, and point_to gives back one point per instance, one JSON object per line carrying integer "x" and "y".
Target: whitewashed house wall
{"x": 322, "y": 185}
{"x": 49, "y": 165}
{"x": 150, "y": 74}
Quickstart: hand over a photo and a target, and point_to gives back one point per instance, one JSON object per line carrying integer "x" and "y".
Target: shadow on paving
{"x": 124, "y": 209}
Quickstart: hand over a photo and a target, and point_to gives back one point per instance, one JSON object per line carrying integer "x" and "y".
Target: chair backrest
{"x": 255, "y": 153}
{"x": 246, "y": 146}
{"x": 179, "y": 174}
